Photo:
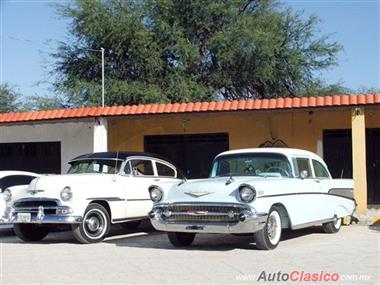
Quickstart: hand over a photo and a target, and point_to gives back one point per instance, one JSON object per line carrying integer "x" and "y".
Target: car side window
{"x": 14, "y": 180}
{"x": 302, "y": 164}
{"x": 127, "y": 168}
{"x": 142, "y": 167}
{"x": 165, "y": 170}
{"x": 319, "y": 170}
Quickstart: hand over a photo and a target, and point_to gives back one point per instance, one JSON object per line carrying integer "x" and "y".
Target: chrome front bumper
{"x": 248, "y": 222}
{"x": 11, "y": 216}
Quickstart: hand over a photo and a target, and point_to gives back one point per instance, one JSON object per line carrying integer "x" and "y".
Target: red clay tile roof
{"x": 220, "y": 106}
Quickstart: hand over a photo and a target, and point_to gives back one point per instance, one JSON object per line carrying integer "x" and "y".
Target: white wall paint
{"x": 76, "y": 137}
{"x": 320, "y": 148}
{"x": 100, "y": 135}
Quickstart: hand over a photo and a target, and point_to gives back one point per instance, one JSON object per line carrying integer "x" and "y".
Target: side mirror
{"x": 304, "y": 174}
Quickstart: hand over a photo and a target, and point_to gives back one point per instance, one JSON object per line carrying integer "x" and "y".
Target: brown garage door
{"x": 193, "y": 154}
{"x": 39, "y": 157}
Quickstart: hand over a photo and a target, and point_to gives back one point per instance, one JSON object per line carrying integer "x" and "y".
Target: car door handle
{"x": 157, "y": 179}
{"x": 317, "y": 181}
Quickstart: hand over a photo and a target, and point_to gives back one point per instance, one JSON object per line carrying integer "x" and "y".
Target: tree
{"x": 8, "y": 99}
{"x": 38, "y": 103}
{"x": 173, "y": 51}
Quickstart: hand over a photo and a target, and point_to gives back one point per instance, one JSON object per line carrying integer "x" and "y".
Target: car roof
{"x": 4, "y": 173}
{"x": 279, "y": 150}
{"x": 119, "y": 155}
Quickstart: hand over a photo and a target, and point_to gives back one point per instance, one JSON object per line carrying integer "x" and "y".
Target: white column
{"x": 100, "y": 135}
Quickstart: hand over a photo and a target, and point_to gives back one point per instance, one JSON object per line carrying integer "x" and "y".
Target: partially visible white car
{"x": 99, "y": 189}
{"x": 13, "y": 181}
{"x": 254, "y": 191}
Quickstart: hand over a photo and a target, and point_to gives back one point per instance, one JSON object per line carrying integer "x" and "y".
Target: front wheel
{"x": 95, "y": 225}
{"x": 269, "y": 237}
{"x": 332, "y": 227}
{"x": 30, "y": 232}
{"x": 181, "y": 239}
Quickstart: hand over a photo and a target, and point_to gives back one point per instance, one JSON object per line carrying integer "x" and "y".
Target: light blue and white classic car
{"x": 253, "y": 191}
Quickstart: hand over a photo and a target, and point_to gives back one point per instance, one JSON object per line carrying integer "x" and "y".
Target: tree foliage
{"x": 8, "y": 99}
{"x": 38, "y": 103}
{"x": 180, "y": 50}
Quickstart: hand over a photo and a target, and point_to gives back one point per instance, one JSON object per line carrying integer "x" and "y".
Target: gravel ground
{"x": 143, "y": 256}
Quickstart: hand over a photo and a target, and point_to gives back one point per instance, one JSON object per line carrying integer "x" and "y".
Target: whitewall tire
{"x": 269, "y": 237}
{"x": 332, "y": 227}
{"x": 95, "y": 225}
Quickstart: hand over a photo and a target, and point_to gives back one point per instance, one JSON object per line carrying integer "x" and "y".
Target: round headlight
{"x": 155, "y": 193}
{"x": 66, "y": 193}
{"x": 247, "y": 193}
{"x": 7, "y": 195}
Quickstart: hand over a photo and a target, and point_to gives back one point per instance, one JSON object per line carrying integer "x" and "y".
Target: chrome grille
{"x": 31, "y": 205}
{"x": 202, "y": 207}
{"x": 216, "y": 213}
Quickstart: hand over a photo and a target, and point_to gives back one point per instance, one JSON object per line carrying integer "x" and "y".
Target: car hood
{"x": 52, "y": 185}
{"x": 207, "y": 190}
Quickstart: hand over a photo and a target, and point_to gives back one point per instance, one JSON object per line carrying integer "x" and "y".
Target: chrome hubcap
{"x": 94, "y": 224}
{"x": 272, "y": 227}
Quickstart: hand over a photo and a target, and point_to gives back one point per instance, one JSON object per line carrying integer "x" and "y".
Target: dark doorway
{"x": 337, "y": 152}
{"x": 373, "y": 165}
{"x": 193, "y": 154}
{"x": 39, "y": 157}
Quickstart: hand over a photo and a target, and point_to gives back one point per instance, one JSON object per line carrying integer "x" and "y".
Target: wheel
{"x": 95, "y": 225}
{"x": 130, "y": 225}
{"x": 332, "y": 227}
{"x": 30, "y": 232}
{"x": 181, "y": 239}
{"x": 270, "y": 235}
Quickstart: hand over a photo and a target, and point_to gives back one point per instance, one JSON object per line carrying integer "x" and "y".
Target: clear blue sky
{"x": 30, "y": 29}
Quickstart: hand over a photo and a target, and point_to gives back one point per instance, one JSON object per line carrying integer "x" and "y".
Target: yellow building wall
{"x": 245, "y": 129}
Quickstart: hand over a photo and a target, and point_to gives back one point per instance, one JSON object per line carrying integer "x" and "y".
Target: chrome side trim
{"x": 303, "y": 193}
{"x": 310, "y": 224}
{"x": 116, "y": 221}
{"x": 343, "y": 192}
{"x": 110, "y": 199}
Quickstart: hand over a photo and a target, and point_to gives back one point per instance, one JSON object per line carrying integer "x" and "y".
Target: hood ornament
{"x": 34, "y": 192}
{"x": 197, "y": 194}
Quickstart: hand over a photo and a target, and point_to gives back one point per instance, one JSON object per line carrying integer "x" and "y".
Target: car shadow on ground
{"x": 375, "y": 227}
{"x": 207, "y": 242}
{"x": 64, "y": 235}
{"x": 145, "y": 236}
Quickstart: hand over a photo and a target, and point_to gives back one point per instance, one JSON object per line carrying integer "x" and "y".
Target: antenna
{"x": 116, "y": 161}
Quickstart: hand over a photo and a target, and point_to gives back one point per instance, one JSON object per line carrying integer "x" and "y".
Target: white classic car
{"x": 100, "y": 189}
{"x": 12, "y": 181}
{"x": 253, "y": 191}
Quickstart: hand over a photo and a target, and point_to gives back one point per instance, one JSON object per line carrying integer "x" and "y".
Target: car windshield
{"x": 251, "y": 164}
{"x": 106, "y": 166}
